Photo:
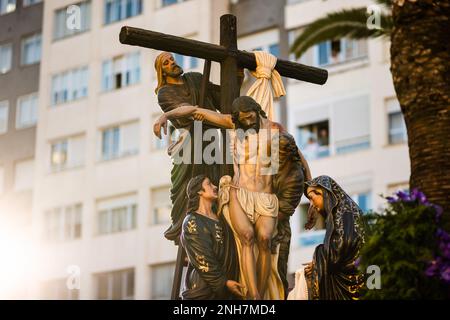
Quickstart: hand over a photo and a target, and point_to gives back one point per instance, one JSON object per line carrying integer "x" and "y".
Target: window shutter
{"x": 76, "y": 151}
{"x": 129, "y": 138}
{"x": 351, "y": 122}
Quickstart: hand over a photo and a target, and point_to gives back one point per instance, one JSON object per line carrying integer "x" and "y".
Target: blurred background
{"x": 84, "y": 184}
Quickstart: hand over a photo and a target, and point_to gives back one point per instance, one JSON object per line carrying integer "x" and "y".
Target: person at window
{"x": 209, "y": 244}
{"x": 311, "y": 149}
{"x": 323, "y": 137}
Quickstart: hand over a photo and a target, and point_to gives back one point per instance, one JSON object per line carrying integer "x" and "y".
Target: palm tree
{"x": 420, "y": 67}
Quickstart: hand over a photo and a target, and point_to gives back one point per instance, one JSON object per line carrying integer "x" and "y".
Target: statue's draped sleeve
{"x": 197, "y": 240}
{"x": 170, "y": 98}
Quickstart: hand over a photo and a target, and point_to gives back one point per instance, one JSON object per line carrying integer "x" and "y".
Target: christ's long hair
{"x": 193, "y": 188}
{"x": 245, "y": 104}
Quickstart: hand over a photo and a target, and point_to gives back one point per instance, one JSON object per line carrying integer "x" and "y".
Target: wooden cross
{"x": 230, "y": 59}
{"x": 227, "y": 54}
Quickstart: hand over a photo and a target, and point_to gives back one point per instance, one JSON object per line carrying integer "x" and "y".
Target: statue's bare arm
{"x": 218, "y": 119}
{"x": 179, "y": 112}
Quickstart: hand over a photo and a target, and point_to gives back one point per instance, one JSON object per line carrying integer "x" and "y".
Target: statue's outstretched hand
{"x": 161, "y": 122}
{"x": 235, "y": 288}
{"x": 199, "y": 115}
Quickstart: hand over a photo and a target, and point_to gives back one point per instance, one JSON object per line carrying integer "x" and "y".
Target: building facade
{"x": 102, "y": 179}
{"x": 20, "y": 55}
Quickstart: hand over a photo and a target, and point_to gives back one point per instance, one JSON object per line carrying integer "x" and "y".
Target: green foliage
{"x": 402, "y": 241}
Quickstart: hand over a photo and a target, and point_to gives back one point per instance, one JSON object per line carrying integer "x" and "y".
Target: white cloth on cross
{"x": 260, "y": 91}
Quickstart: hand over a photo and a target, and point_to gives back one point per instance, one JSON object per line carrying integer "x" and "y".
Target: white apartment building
{"x": 101, "y": 200}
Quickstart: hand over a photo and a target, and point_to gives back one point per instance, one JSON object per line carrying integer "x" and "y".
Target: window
{"x": 338, "y": 51}
{"x": 4, "y": 112}
{"x": 162, "y": 279}
{"x": 273, "y": 49}
{"x": 116, "y": 10}
{"x": 70, "y": 86}
{"x": 116, "y": 285}
{"x": 27, "y": 111}
{"x": 121, "y": 71}
{"x": 118, "y": 214}
{"x": 31, "y": 50}
{"x": 161, "y": 204}
{"x": 58, "y": 290}
{"x": 23, "y": 175}
{"x": 63, "y": 223}
{"x": 5, "y": 58}
{"x": 120, "y": 141}
{"x": 165, "y": 3}
{"x": 363, "y": 200}
{"x": 27, "y": 3}
{"x": 339, "y": 127}
{"x": 63, "y": 27}
{"x": 397, "y": 128}
{"x": 7, "y": 6}
{"x": 314, "y": 140}
{"x": 351, "y": 124}
{"x": 185, "y": 62}
{"x": 67, "y": 153}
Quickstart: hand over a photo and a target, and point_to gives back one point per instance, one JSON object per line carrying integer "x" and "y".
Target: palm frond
{"x": 351, "y": 23}
{"x": 387, "y": 3}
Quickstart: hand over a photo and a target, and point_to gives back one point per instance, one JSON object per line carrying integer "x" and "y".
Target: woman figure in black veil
{"x": 333, "y": 275}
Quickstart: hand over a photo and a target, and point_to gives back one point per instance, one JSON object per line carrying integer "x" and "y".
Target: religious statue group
{"x": 232, "y": 216}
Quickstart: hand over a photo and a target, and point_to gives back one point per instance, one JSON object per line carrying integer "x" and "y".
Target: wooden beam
{"x": 229, "y": 86}
{"x": 203, "y": 50}
{"x": 205, "y": 81}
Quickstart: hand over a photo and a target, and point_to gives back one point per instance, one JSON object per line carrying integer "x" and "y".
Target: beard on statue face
{"x": 247, "y": 124}
{"x": 175, "y": 71}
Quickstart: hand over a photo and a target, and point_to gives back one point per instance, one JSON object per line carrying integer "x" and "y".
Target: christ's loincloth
{"x": 255, "y": 205}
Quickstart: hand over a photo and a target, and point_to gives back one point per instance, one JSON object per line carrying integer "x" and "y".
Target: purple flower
{"x": 357, "y": 262}
{"x": 439, "y": 211}
{"x": 445, "y": 249}
{"x": 432, "y": 269}
{"x": 403, "y": 196}
{"x": 443, "y": 235}
{"x": 445, "y": 273}
{"x": 413, "y": 194}
{"x": 391, "y": 200}
{"x": 419, "y": 195}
